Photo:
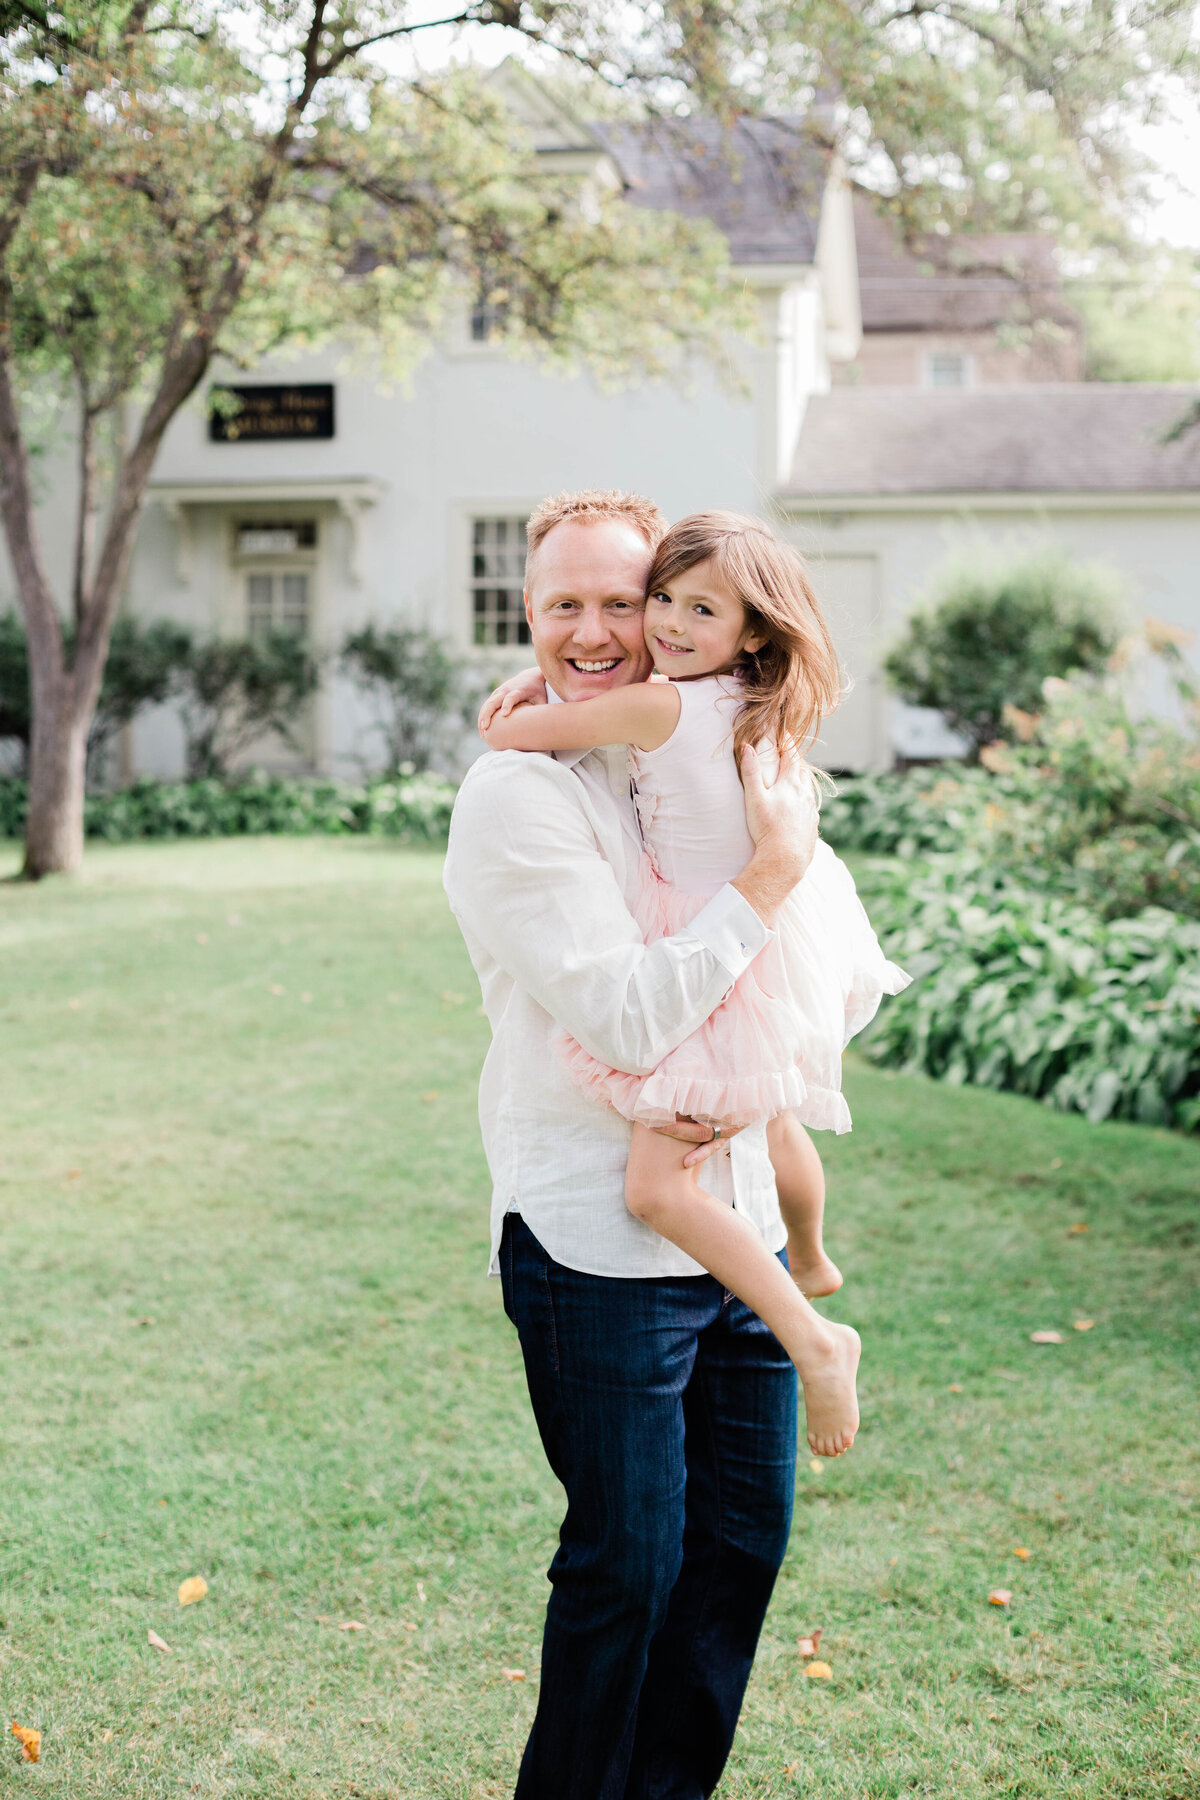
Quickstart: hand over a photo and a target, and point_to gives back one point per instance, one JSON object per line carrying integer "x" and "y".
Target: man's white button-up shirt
{"x": 541, "y": 871}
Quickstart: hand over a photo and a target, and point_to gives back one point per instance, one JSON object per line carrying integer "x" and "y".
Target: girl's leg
{"x": 668, "y": 1198}
{"x": 801, "y": 1183}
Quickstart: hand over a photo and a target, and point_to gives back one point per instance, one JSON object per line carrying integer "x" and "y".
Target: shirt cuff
{"x": 731, "y": 929}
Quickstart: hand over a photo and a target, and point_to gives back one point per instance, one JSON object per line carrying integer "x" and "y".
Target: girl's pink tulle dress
{"x": 775, "y": 1045}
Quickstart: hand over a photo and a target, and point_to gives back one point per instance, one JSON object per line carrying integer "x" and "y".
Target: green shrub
{"x": 1027, "y": 990}
{"x": 1089, "y": 800}
{"x": 234, "y": 691}
{"x": 419, "y": 689}
{"x": 412, "y": 811}
{"x": 989, "y": 637}
{"x": 915, "y": 814}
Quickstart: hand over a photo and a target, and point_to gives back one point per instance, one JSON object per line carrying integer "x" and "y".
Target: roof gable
{"x": 760, "y": 181}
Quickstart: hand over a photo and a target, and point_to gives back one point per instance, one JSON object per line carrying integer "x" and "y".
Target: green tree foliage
{"x": 419, "y": 691}
{"x": 989, "y": 636}
{"x": 1141, "y": 316}
{"x": 234, "y": 692}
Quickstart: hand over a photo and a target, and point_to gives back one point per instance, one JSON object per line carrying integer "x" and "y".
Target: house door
{"x": 854, "y": 738}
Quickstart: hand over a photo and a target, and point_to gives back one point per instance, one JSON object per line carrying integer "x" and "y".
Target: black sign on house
{"x": 305, "y": 411}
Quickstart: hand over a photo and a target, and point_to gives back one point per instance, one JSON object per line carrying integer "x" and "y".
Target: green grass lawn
{"x": 246, "y": 1335}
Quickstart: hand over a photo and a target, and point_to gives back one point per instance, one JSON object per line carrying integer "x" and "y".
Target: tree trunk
{"x": 57, "y": 762}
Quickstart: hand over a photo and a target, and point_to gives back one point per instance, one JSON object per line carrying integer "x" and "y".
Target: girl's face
{"x": 696, "y": 626}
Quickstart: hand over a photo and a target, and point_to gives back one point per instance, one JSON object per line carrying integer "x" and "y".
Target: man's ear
{"x": 528, "y": 608}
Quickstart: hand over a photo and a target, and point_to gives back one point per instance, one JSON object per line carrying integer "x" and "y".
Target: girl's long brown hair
{"x": 793, "y": 680}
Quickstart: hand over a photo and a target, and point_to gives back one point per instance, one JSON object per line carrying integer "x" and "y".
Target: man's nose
{"x": 592, "y": 628}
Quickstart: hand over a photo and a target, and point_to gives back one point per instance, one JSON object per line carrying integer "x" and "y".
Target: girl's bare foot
{"x": 814, "y": 1274}
{"x": 830, "y": 1399}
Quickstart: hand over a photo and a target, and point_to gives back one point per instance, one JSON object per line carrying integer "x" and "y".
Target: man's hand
{"x": 782, "y": 820}
{"x": 695, "y": 1131}
{"x": 526, "y": 689}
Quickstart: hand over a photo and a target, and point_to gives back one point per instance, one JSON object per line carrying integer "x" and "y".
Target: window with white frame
{"x": 276, "y": 559}
{"x": 948, "y": 369}
{"x": 497, "y": 582}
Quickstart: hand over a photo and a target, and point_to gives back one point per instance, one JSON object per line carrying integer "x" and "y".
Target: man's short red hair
{"x": 594, "y": 503}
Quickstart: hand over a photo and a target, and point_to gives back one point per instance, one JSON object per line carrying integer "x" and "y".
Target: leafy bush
{"x": 143, "y": 668}
{"x": 989, "y": 637}
{"x": 1027, "y": 990}
{"x": 1089, "y": 801}
{"x": 14, "y": 682}
{"x": 234, "y": 691}
{"x": 924, "y": 811}
{"x": 412, "y": 811}
{"x": 419, "y": 690}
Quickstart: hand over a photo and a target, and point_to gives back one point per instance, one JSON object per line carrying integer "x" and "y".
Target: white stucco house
{"x": 880, "y": 427}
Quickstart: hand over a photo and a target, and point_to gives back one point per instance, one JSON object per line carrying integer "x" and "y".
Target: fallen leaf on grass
{"x": 1022, "y": 1552}
{"x": 1046, "y": 1337}
{"x": 74, "y": 1174}
{"x": 807, "y": 1645}
{"x": 191, "y": 1590}
{"x": 421, "y": 1592}
{"x": 409, "y": 1624}
{"x": 820, "y": 1670}
{"x": 790, "y": 1768}
{"x": 276, "y": 989}
{"x": 1078, "y": 1229}
{"x": 74, "y": 1005}
{"x": 999, "y": 1597}
{"x": 955, "y": 1387}
{"x": 106, "y": 1737}
{"x": 202, "y": 937}
{"x": 1084, "y": 1324}
{"x": 145, "y": 1321}
{"x": 817, "y": 1466}
{"x": 29, "y": 1740}
{"x": 156, "y": 1643}
{"x": 513, "y": 1674}
{"x": 448, "y": 998}
{"x": 428, "y": 1098}
{"x": 352, "y": 1625}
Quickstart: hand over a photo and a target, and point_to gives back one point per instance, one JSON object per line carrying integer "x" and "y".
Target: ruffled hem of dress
{"x": 660, "y": 1098}
{"x": 867, "y": 992}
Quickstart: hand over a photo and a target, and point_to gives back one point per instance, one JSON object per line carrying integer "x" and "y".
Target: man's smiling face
{"x": 584, "y": 601}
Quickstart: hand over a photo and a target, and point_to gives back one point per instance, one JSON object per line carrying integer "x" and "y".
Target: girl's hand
{"x": 696, "y": 1132}
{"x": 526, "y": 689}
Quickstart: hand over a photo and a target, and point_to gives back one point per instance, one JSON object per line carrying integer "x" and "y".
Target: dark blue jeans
{"x": 668, "y": 1412}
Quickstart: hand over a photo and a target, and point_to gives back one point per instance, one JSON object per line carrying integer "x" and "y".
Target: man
{"x": 665, "y": 1407}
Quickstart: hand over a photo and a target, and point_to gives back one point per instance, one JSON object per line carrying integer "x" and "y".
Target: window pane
{"x": 293, "y": 612}
{"x": 498, "y": 560}
{"x": 947, "y": 369}
{"x": 259, "y": 589}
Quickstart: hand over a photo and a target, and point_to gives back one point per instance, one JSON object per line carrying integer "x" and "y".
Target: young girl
{"x": 733, "y": 626}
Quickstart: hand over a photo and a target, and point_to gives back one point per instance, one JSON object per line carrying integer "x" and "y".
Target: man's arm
{"x": 527, "y": 880}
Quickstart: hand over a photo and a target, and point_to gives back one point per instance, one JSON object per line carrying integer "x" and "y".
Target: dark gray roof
{"x": 969, "y": 282}
{"x": 1071, "y": 437}
{"x": 759, "y": 180}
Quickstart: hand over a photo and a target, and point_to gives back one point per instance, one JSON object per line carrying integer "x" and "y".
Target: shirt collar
{"x": 568, "y": 758}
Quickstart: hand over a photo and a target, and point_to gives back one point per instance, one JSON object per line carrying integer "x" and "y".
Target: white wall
{"x": 891, "y": 554}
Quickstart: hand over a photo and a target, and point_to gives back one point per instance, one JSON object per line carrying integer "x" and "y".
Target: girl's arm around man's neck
{"x": 644, "y": 714}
